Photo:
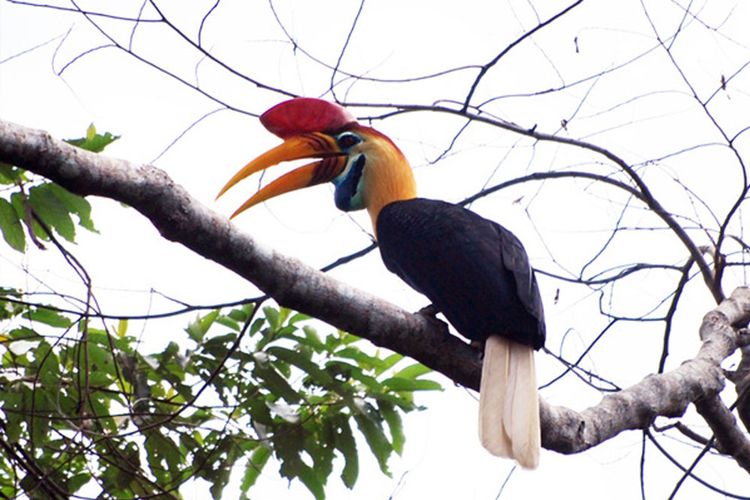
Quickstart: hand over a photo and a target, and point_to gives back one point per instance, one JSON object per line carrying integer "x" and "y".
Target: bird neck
{"x": 388, "y": 178}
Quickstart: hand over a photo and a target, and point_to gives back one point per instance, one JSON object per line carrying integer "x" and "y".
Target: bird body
{"x": 437, "y": 247}
{"x": 473, "y": 270}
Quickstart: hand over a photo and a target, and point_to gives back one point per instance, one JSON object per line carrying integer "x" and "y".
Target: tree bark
{"x": 293, "y": 284}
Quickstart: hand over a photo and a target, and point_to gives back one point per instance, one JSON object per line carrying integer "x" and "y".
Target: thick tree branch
{"x": 183, "y": 219}
{"x": 697, "y": 380}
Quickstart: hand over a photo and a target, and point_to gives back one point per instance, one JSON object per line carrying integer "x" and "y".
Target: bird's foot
{"x": 430, "y": 313}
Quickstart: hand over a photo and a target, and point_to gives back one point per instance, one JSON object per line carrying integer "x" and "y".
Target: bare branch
{"x": 666, "y": 395}
{"x": 496, "y": 59}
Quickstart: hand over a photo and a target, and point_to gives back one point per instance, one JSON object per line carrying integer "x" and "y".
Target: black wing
{"x": 473, "y": 270}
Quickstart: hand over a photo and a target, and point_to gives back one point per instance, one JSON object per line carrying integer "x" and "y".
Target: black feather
{"x": 474, "y": 271}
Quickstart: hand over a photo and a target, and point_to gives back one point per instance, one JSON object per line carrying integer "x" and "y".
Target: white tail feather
{"x": 508, "y": 402}
{"x": 492, "y": 432}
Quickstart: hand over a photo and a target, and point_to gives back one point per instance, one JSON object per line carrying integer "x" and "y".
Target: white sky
{"x": 642, "y": 112}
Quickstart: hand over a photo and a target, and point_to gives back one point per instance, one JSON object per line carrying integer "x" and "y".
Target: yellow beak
{"x": 312, "y": 145}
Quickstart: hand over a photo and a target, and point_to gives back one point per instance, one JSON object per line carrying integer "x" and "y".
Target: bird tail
{"x": 508, "y": 402}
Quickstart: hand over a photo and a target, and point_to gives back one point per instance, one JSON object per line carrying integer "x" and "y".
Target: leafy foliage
{"x": 94, "y": 141}
{"x": 83, "y": 407}
{"x": 73, "y": 394}
{"x": 40, "y": 205}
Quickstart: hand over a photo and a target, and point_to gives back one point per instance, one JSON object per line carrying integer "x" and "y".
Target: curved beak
{"x": 312, "y": 145}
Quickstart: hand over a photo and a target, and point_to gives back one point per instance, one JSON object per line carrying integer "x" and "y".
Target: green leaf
{"x": 229, "y": 323}
{"x": 47, "y": 366}
{"x": 404, "y": 384}
{"x": 219, "y": 345}
{"x": 404, "y": 400}
{"x": 23, "y": 211}
{"x": 328, "y": 381}
{"x": 96, "y": 335}
{"x": 258, "y": 409}
{"x": 241, "y": 314}
{"x": 229, "y": 454}
{"x": 76, "y": 482}
{"x": 395, "y": 426}
{"x": 412, "y": 371}
{"x": 297, "y": 317}
{"x": 303, "y": 363}
{"x": 11, "y": 226}
{"x": 322, "y": 450}
{"x": 197, "y": 329}
{"x": 312, "y": 481}
{"x": 312, "y": 338}
{"x": 48, "y": 317}
{"x": 391, "y": 360}
{"x": 276, "y": 384}
{"x": 93, "y": 142}
{"x": 345, "y": 443}
{"x": 258, "y": 459}
{"x": 376, "y": 440}
{"x": 122, "y": 328}
{"x": 272, "y": 316}
{"x": 23, "y": 333}
{"x": 52, "y": 211}
{"x": 14, "y": 409}
{"x": 40, "y": 424}
{"x": 74, "y": 204}
{"x": 163, "y": 455}
{"x": 284, "y": 314}
{"x": 363, "y": 359}
{"x": 99, "y": 379}
{"x": 370, "y": 383}
{"x": 287, "y": 443}
{"x": 100, "y": 409}
{"x": 9, "y": 309}
{"x": 10, "y": 174}
{"x": 101, "y": 368}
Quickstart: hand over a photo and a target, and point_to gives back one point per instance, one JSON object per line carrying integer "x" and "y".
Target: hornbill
{"x": 473, "y": 270}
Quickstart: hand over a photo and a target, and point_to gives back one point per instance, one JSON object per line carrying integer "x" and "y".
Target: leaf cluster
{"x": 42, "y": 206}
{"x": 92, "y": 410}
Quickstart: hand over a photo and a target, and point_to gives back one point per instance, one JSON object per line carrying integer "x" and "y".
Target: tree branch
{"x": 668, "y": 394}
{"x": 730, "y": 438}
{"x": 181, "y": 218}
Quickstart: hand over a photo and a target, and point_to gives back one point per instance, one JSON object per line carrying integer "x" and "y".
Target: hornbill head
{"x": 366, "y": 167}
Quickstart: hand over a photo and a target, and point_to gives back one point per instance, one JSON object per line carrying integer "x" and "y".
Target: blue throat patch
{"x": 348, "y": 194}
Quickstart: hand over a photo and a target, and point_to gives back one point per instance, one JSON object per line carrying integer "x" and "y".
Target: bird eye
{"x": 347, "y": 140}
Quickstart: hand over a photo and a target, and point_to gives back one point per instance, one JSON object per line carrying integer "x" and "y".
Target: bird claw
{"x": 429, "y": 311}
